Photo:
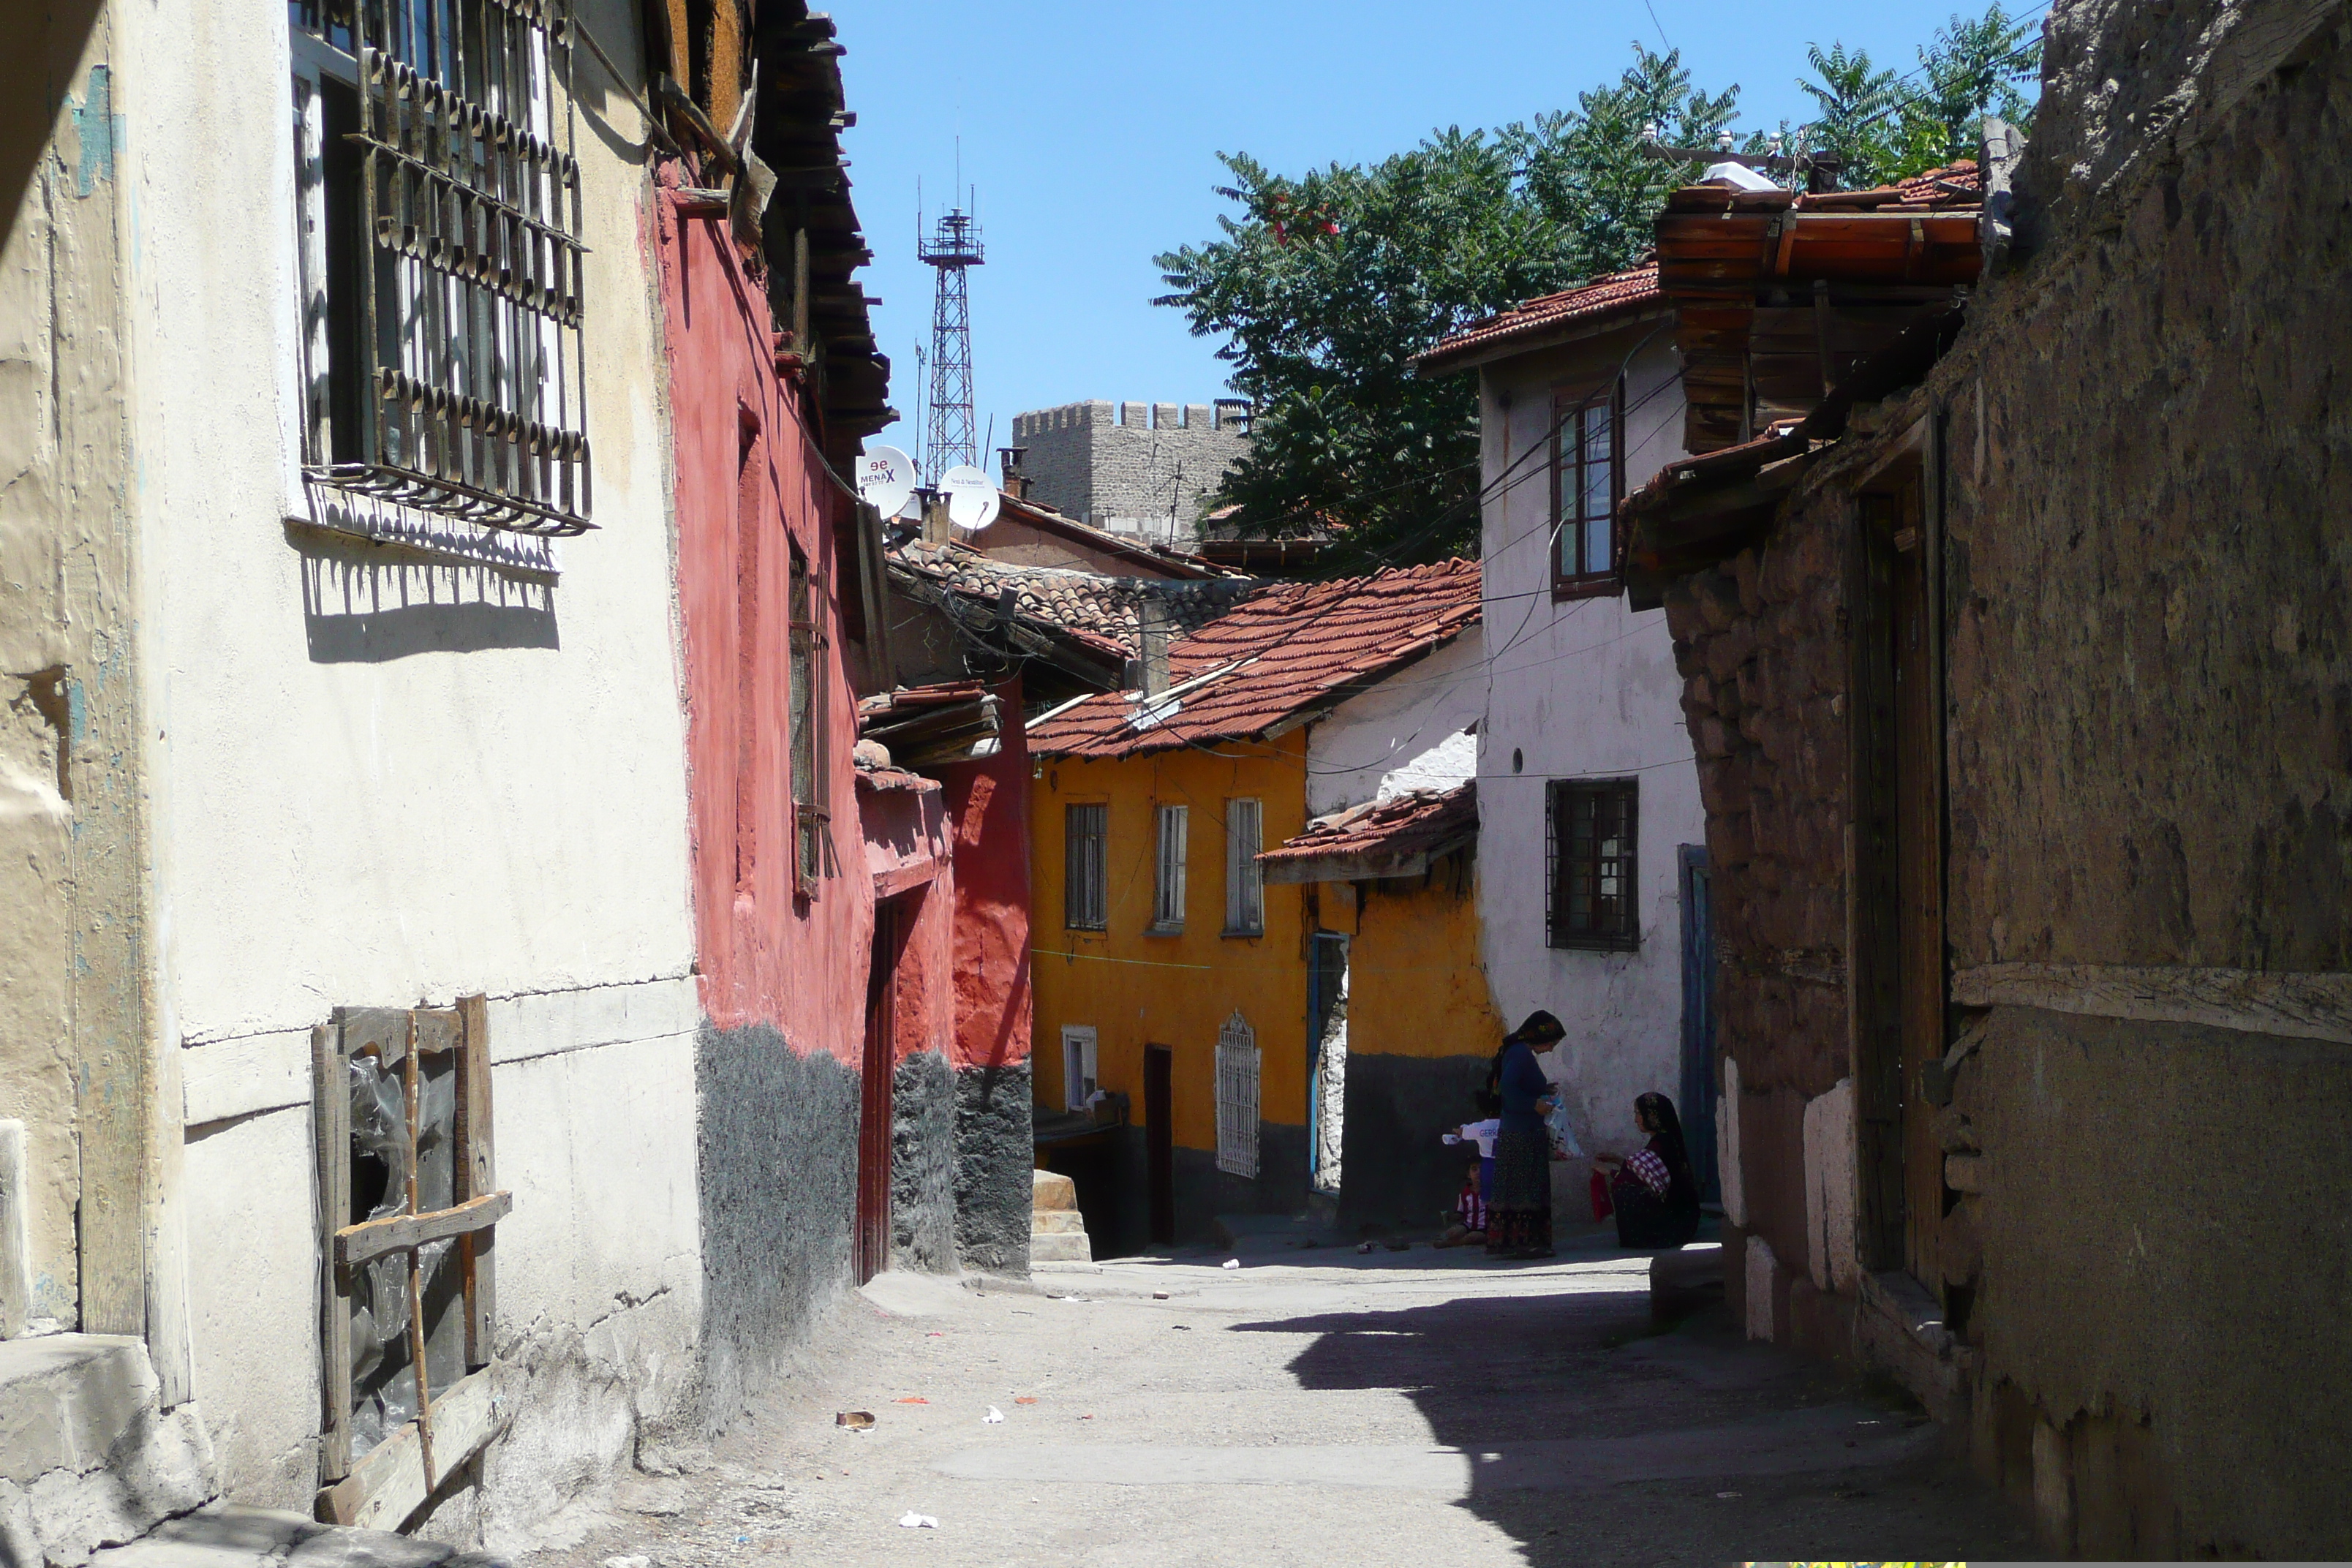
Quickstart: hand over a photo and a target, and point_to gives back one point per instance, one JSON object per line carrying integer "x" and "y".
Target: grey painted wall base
{"x": 1395, "y": 1168}
{"x": 776, "y": 1145}
{"x": 922, "y": 1164}
{"x": 994, "y": 1155}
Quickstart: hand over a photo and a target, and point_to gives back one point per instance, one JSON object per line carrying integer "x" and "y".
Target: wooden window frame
{"x": 1245, "y": 877}
{"x": 382, "y": 1487}
{"x": 1623, "y": 935}
{"x": 1571, "y": 411}
{"x": 1171, "y": 840}
{"x": 1097, "y": 893}
{"x": 1081, "y": 1050}
{"x": 806, "y": 701}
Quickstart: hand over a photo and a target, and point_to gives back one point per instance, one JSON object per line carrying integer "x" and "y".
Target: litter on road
{"x": 912, "y": 1520}
{"x": 993, "y": 1418}
{"x": 856, "y": 1420}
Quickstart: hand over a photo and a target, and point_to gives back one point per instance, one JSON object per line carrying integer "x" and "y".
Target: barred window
{"x": 1237, "y": 1097}
{"x": 1168, "y": 890}
{"x": 1086, "y": 871}
{"x": 1245, "y": 877}
{"x": 807, "y": 718}
{"x": 1590, "y": 895}
{"x": 440, "y": 226}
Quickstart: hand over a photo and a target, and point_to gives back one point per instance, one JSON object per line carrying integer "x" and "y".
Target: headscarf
{"x": 1539, "y": 1030}
{"x": 1659, "y": 1111}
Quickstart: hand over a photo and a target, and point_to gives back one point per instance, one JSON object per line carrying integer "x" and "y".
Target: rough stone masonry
{"x": 1139, "y": 470}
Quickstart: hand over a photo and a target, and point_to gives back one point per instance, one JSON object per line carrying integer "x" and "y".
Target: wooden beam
{"x": 356, "y": 1243}
{"x": 476, "y": 1177}
{"x": 389, "y": 1484}
{"x": 331, "y": 1128}
{"x": 2307, "y": 1005}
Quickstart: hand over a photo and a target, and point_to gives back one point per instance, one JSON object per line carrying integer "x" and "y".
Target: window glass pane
{"x": 1245, "y": 885}
{"x": 1596, "y": 545}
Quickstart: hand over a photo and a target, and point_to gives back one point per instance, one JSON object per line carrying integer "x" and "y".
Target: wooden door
{"x": 1919, "y": 893}
{"x": 1159, "y": 1139}
{"x": 873, "y": 1236}
{"x": 1897, "y": 896}
{"x": 1699, "y": 1082}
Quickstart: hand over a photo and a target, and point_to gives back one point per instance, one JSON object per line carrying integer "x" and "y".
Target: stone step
{"x": 1050, "y": 1190}
{"x": 1061, "y": 1246}
{"x": 1057, "y": 1222}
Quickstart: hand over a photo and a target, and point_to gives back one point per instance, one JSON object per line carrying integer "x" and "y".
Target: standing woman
{"x": 1519, "y": 1220}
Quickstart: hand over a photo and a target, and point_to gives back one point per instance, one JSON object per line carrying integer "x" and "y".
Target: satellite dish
{"x": 971, "y": 496}
{"x": 885, "y": 478}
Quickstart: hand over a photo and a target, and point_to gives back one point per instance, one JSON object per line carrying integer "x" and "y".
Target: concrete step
{"x": 1049, "y": 1190}
{"x": 1057, "y": 1222}
{"x": 1061, "y": 1246}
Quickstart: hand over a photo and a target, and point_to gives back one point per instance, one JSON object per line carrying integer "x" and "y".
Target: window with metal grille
{"x": 1168, "y": 889}
{"x": 807, "y": 713}
{"x": 1590, "y": 899}
{"x": 1086, "y": 869}
{"x": 440, "y": 221}
{"x": 1586, "y": 450}
{"x": 1237, "y": 1077}
{"x": 1245, "y": 877}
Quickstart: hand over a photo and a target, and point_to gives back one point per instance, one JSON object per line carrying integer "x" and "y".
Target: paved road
{"x": 1421, "y": 1408}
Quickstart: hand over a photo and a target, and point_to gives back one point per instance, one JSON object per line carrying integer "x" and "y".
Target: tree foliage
{"x": 1325, "y": 285}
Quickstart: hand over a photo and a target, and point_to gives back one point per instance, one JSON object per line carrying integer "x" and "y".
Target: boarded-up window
{"x": 1245, "y": 879}
{"x": 1590, "y": 893}
{"x": 1238, "y": 1078}
{"x": 1086, "y": 870}
{"x": 1168, "y": 889}
{"x": 406, "y": 1203}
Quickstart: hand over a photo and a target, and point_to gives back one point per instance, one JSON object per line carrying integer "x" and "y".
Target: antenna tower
{"x": 953, "y": 247}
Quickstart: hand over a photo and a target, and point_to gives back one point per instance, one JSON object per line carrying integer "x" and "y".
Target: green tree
{"x": 1887, "y": 128}
{"x": 1326, "y": 285}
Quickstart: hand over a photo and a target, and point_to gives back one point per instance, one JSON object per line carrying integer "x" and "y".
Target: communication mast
{"x": 951, "y": 440}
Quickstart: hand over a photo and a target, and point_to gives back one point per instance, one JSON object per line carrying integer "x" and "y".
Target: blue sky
{"x": 1091, "y": 132}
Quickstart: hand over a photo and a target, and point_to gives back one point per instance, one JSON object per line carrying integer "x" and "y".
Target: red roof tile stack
{"x": 1610, "y": 292}
{"x": 1284, "y": 651}
{"x": 1393, "y": 832}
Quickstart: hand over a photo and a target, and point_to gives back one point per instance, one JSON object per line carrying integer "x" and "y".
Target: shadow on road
{"x": 1565, "y": 1421}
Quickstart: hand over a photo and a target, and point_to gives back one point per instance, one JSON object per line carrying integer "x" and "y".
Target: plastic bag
{"x": 1564, "y": 1145}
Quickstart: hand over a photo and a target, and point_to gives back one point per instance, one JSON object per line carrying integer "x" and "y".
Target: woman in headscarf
{"x": 1654, "y": 1190}
{"x": 1519, "y": 1220}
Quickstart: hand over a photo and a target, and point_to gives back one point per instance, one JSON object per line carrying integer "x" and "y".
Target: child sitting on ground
{"x": 1469, "y": 1226}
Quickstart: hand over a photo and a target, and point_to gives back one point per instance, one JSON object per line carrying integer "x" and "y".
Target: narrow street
{"x": 1419, "y": 1407}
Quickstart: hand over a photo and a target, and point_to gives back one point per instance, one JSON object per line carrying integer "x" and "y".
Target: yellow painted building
{"x": 1166, "y": 969}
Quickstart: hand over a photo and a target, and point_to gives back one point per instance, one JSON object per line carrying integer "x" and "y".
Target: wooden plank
{"x": 355, "y": 1245}
{"x": 476, "y": 1177}
{"x": 384, "y": 1030}
{"x": 389, "y": 1483}
{"x": 331, "y": 1122}
{"x": 2307, "y": 1005}
{"x": 437, "y": 1030}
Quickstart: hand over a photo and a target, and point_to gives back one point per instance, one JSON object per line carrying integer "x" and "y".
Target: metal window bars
{"x": 475, "y": 390}
{"x": 1237, "y": 1097}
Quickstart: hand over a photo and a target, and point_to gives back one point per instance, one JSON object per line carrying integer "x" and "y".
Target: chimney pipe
{"x": 1153, "y": 664}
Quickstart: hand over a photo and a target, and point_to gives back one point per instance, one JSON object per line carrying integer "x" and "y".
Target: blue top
{"x": 1523, "y": 1083}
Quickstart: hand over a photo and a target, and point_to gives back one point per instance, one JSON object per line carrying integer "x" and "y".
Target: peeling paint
{"x": 97, "y": 129}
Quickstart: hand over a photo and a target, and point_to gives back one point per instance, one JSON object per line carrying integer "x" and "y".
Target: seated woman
{"x": 1653, "y": 1191}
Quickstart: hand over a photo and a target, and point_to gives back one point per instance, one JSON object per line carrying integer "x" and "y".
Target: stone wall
{"x": 1130, "y": 468}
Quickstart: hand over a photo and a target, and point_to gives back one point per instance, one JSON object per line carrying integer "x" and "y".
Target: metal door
{"x": 873, "y": 1235}
{"x": 1697, "y": 1097}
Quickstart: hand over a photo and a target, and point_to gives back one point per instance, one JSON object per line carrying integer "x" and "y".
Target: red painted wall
{"x": 749, "y": 485}
{"x": 988, "y": 805}
{"x": 906, "y": 849}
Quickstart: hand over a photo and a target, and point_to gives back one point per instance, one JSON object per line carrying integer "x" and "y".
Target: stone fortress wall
{"x": 1131, "y": 468}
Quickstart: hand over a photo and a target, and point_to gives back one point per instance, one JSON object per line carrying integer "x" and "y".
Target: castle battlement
{"x": 1133, "y": 467}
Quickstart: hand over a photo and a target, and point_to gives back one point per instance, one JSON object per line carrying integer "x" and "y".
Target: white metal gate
{"x": 1237, "y": 1063}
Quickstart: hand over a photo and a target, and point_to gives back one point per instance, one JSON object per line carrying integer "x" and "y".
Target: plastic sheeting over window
{"x": 383, "y": 1372}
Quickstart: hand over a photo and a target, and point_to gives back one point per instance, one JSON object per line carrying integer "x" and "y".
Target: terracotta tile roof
{"x": 1284, "y": 651}
{"x": 1614, "y": 292}
{"x": 1102, "y": 612}
{"x": 1394, "y": 836}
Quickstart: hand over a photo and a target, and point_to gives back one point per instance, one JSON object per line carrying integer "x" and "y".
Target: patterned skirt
{"x": 1519, "y": 1218}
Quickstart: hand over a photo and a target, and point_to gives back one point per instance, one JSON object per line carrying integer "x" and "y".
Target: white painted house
{"x": 1593, "y": 882}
